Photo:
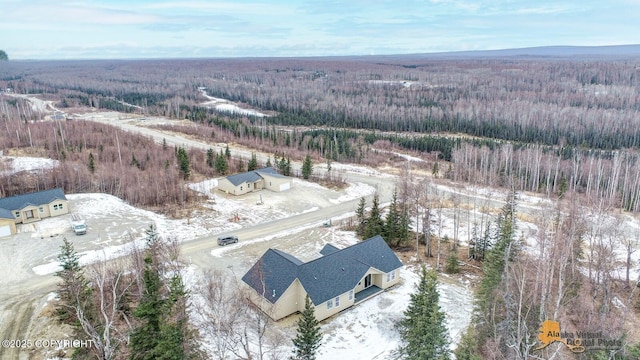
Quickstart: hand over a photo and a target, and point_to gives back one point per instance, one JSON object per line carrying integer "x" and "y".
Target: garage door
{"x": 285, "y": 186}
{"x": 5, "y": 230}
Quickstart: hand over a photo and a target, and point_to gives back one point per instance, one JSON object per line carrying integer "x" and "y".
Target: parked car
{"x": 225, "y": 240}
{"x": 78, "y": 225}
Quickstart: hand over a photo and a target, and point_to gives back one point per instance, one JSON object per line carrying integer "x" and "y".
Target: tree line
{"x": 579, "y": 103}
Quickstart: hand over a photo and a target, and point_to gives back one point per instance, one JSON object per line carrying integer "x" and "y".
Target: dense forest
{"x": 552, "y": 124}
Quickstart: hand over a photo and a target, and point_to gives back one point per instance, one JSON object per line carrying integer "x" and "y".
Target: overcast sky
{"x": 61, "y": 29}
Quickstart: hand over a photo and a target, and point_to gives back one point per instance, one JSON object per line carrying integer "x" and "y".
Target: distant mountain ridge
{"x": 608, "y": 51}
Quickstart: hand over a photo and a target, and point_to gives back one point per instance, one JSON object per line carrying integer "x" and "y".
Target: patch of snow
{"x": 359, "y": 169}
{"x": 235, "y": 109}
{"x": 227, "y": 106}
{"x": 354, "y": 191}
{"x": 13, "y": 164}
{"x": 404, "y": 156}
{"x": 618, "y": 303}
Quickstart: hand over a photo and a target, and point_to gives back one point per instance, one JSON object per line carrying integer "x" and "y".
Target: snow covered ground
{"x": 367, "y": 331}
{"x": 12, "y": 164}
{"x": 228, "y": 106}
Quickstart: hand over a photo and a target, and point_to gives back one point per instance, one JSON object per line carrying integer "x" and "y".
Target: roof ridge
{"x": 280, "y": 253}
{"x": 346, "y": 248}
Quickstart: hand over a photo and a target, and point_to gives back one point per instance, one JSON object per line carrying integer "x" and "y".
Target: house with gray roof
{"x": 256, "y": 180}
{"x": 337, "y": 280}
{"x": 30, "y": 207}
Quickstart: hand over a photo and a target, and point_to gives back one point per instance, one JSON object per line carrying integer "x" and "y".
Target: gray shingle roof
{"x": 328, "y": 249}
{"x": 333, "y": 274}
{"x": 271, "y": 172}
{"x": 252, "y": 176}
{"x": 35, "y": 199}
{"x": 272, "y": 274}
{"x": 6, "y": 214}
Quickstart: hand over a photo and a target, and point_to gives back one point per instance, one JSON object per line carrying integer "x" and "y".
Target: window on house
{"x": 240, "y": 188}
{"x": 17, "y": 213}
{"x": 388, "y": 277}
{"x": 351, "y": 295}
{"x": 337, "y": 301}
{"x": 41, "y": 209}
{"x": 330, "y": 304}
{"x": 393, "y": 274}
{"x": 57, "y": 207}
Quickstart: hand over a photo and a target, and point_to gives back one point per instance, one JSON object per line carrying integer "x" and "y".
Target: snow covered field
{"x": 227, "y": 106}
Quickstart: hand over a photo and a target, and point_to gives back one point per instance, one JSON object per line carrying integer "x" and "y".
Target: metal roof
{"x": 32, "y": 199}
{"x": 331, "y": 275}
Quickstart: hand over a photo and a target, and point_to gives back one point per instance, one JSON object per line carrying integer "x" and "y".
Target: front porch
{"x": 367, "y": 293}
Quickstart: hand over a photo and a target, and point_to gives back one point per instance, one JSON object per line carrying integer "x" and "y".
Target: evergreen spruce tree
{"x": 282, "y": 165}
{"x": 221, "y": 164}
{"x": 308, "y": 340}
{"x": 392, "y": 223}
{"x": 183, "y": 163}
{"x": 287, "y": 167}
{"x": 361, "y": 217}
{"x": 74, "y": 293}
{"x": 253, "y": 163}
{"x": 92, "y": 164}
{"x": 375, "y": 225}
{"x": 468, "y": 346}
{"x": 404, "y": 230}
{"x": 268, "y": 161}
{"x": 452, "y": 266}
{"x": 147, "y": 335}
{"x": 227, "y": 152}
{"x": 210, "y": 158}
{"x": 178, "y": 340}
{"x": 74, "y": 289}
{"x": 422, "y": 330}
{"x": 162, "y": 330}
{"x": 307, "y": 167}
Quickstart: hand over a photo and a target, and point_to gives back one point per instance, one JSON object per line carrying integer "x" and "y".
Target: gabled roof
{"x": 253, "y": 176}
{"x": 272, "y": 274}
{"x": 33, "y": 199}
{"x": 335, "y": 273}
{"x": 328, "y": 249}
